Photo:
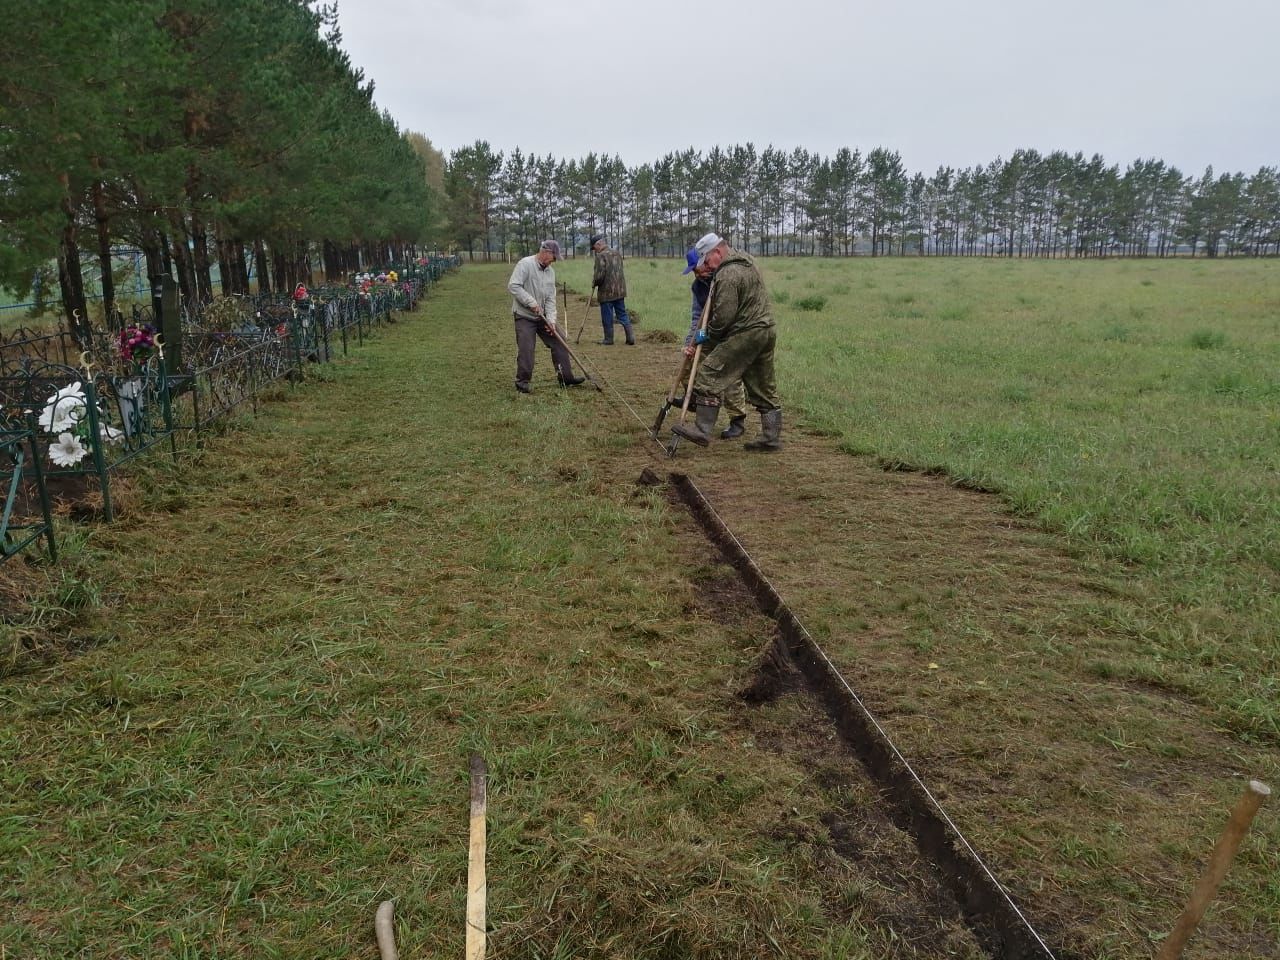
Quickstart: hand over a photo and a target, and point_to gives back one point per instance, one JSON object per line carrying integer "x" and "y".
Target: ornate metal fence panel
{"x": 87, "y": 423}
{"x": 66, "y": 422}
{"x": 235, "y": 374}
{"x": 23, "y": 344}
{"x": 20, "y": 526}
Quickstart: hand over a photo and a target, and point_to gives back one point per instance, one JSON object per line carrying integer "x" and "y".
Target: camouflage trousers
{"x": 740, "y": 367}
{"x": 734, "y": 401}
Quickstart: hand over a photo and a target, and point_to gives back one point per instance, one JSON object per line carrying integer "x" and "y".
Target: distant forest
{"x": 778, "y": 203}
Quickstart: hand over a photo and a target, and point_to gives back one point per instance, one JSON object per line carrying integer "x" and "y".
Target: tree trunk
{"x": 200, "y": 260}
{"x": 240, "y": 267}
{"x": 332, "y": 266}
{"x": 104, "y": 252}
{"x": 280, "y": 271}
{"x": 182, "y": 261}
{"x": 70, "y": 279}
{"x": 261, "y": 265}
{"x": 226, "y": 275}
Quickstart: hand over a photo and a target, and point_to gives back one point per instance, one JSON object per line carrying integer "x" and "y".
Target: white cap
{"x": 706, "y": 243}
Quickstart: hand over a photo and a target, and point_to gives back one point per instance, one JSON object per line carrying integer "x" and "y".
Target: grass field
{"x": 240, "y": 717}
{"x": 1131, "y": 406}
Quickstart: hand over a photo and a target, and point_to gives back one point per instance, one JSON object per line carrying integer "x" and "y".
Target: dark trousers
{"x": 528, "y": 332}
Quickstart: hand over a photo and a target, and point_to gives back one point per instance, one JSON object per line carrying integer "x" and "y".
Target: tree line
{"x": 201, "y": 132}
{"x": 775, "y": 202}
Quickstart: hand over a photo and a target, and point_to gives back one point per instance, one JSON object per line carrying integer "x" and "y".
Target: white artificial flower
{"x": 68, "y": 451}
{"x": 110, "y": 433}
{"x": 63, "y": 410}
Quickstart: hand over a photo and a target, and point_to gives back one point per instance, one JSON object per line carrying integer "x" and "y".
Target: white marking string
{"x": 876, "y": 723}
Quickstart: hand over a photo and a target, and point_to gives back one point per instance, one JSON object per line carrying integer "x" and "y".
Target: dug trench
{"x": 936, "y": 893}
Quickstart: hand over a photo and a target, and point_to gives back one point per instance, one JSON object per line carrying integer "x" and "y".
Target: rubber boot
{"x": 703, "y": 426}
{"x": 608, "y": 333}
{"x": 770, "y": 439}
{"x": 736, "y": 428}
{"x": 631, "y": 337}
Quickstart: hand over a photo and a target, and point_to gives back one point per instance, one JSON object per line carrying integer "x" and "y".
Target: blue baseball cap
{"x": 692, "y": 258}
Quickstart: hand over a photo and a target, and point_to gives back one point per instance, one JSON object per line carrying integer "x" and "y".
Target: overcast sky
{"x": 954, "y": 82}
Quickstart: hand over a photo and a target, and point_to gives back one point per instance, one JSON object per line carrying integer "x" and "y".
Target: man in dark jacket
{"x": 740, "y": 336}
{"x": 611, "y": 289}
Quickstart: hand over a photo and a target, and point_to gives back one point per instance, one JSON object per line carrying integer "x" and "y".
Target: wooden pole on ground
{"x": 1219, "y": 861}
{"x": 477, "y": 890}
{"x": 385, "y": 931}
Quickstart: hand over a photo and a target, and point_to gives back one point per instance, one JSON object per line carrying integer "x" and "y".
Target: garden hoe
{"x": 586, "y": 312}
{"x": 671, "y": 397}
{"x": 692, "y": 364}
{"x": 688, "y": 395}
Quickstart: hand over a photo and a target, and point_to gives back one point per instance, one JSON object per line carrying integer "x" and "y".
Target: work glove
{"x": 700, "y": 337}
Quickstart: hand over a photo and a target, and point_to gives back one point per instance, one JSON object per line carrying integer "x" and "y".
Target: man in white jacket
{"x": 533, "y": 305}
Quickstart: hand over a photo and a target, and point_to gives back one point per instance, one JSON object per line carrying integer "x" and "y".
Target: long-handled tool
{"x": 688, "y": 395}
{"x": 477, "y": 886}
{"x": 684, "y": 367}
{"x": 671, "y": 396}
{"x": 586, "y": 313}
{"x": 555, "y": 332}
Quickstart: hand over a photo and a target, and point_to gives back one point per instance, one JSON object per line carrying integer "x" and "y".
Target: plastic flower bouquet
{"x": 137, "y": 344}
{"x": 66, "y": 417}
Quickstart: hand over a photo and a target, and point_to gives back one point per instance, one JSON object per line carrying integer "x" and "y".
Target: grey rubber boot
{"x": 631, "y": 337}
{"x": 736, "y": 428}
{"x": 703, "y": 427}
{"x": 770, "y": 439}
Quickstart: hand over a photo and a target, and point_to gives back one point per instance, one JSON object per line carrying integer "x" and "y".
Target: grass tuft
{"x": 1208, "y": 339}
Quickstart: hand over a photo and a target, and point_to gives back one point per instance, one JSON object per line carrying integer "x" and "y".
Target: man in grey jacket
{"x": 533, "y": 305}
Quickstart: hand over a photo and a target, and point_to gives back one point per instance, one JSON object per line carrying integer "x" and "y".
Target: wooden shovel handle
{"x": 692, "y": 367}
{"x": 1223, "y": 853}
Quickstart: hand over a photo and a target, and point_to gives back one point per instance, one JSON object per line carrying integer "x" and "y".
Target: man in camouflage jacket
{"x": 734, "y": 399}
{"x": 740, "y": 337}
{"x": 611, "y": 289}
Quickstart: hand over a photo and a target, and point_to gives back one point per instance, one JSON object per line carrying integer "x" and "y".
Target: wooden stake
{"x": 477, "y": 890}
{"x": 385, "y": 931}
{"x": 1220, "y": 860}
{"x": 586, "y": 311}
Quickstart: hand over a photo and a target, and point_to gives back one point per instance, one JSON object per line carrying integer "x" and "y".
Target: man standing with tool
{"x": 734, "y": 400}
{"x": 740, "y": 337}
{"x": 533, "y": 305}
{"x": 611, "y": 289}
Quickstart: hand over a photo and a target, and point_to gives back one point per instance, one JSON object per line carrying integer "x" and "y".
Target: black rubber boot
{"x": 770, "y": 439}
{"x": 570, "y": 381}
{"x": 631, "y": 337}
{"x": 703, "y": 427}
{"x": 736, "y": 428}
